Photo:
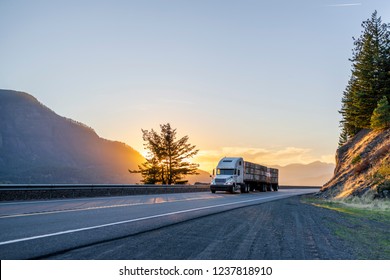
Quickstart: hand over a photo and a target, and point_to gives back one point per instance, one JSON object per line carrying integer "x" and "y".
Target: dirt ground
{"x": 284, "y": 229}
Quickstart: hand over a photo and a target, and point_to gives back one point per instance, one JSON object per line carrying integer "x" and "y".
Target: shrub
{"x": 381, "y": 116}
{"x": 384, "y": 170}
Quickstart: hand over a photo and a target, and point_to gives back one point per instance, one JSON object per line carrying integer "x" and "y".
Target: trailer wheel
{"x": 212, "y": 191}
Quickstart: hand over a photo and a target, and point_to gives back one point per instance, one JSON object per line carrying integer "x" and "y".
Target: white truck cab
{"x": 229, "y": 175}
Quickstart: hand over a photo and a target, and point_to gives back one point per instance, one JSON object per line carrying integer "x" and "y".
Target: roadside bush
{"x": 384, "y": 170}
{"x": 382, "y": 179}
{"x": 384, "y": 189}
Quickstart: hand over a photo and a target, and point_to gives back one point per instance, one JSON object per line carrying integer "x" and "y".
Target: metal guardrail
{"x": 54, "y": 191}
{"x": 88, "y": 186}
{"x": 9, "y": 192}
{"x": 84, "y": 186}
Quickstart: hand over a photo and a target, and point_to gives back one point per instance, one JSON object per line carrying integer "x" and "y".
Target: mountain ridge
{"x": 315, "y": 173}
{"x": 39, "y": 146}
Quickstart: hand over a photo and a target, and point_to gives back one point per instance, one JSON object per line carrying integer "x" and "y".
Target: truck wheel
{"x": 212, "y": 191}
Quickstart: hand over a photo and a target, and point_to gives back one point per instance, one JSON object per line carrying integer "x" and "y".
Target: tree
{"x": 168, "y": 159}
{"x": 370, "y": 79}
{"x": 343, "y": 137}
{"x": 150, "y": 171}
{"x": 381, "y": 117}
{"x": 349, "y": 112}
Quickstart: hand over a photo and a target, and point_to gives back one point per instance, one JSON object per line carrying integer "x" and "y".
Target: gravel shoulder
{"x": 286, "y": 229}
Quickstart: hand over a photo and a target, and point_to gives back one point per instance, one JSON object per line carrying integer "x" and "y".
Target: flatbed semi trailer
{"x": 233, "y": 174}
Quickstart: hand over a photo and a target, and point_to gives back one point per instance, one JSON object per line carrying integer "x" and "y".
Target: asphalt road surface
{"x": 50, "y": 229}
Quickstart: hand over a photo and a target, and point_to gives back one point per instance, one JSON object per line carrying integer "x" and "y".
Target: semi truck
{"x": 234, "y": 175}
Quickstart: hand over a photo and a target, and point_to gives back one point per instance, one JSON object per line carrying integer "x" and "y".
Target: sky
{"x": 252, "y": 78}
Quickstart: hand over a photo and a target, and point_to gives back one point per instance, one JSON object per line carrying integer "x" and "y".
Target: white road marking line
{"x": 86, "y": 199}
{"x": 67, "y": 210}
{"x": 135, "y": 220}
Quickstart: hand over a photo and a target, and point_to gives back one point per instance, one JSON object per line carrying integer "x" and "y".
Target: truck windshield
{"x": 225, "y": 171}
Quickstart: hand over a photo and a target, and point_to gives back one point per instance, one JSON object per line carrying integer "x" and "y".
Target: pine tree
{"x": 381, "y": 117}
{"x": 150, "y": 171}
{"x": 348, "y": 112}
{"x": 343, "y": 137}
{"x": 167, "y": 162}
{"x": 370, "y": 79}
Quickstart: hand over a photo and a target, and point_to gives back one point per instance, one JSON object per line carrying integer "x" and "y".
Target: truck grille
{"x": 220, "y": 181}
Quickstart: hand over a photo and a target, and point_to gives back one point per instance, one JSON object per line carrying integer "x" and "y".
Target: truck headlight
{"x": 229, "y": 181}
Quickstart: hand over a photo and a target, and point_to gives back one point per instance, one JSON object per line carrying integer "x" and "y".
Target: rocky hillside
{"x": 362, "y": 164}
{"x": 39, "y": 146}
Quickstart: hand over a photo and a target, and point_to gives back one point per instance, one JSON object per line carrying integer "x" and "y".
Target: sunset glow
{"x": 257, "y": 79}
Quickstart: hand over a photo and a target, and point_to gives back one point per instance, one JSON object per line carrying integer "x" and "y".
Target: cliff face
{"x": 39, "y": 146}
{"x": 361, "y": 165}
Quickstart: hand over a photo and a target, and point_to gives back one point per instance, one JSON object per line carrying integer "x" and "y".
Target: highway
{"x": 42, "y": 229}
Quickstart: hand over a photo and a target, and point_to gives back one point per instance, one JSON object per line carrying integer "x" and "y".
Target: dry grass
{"x": 364, "y": 205}
{"x": 366, "y": 202}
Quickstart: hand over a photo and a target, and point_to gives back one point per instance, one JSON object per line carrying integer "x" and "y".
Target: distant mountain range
{"x": 313, "y": 174}
{"x": 39, "y": 146}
